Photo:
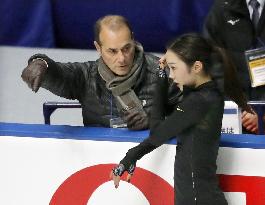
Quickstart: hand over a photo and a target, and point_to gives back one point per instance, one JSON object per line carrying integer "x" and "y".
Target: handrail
{"x": 50, "y": 107}
{"x": 112, "y": 134}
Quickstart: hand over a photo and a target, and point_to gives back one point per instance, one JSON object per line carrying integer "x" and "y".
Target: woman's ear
{"x": 197, "y": 66}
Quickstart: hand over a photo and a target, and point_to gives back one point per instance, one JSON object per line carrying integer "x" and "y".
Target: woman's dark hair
{"x": 216, "y": 63}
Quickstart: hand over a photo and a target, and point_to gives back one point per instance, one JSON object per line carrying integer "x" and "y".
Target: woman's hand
{"x": 116, "y": 179}
{"x": 118, "y": 171}
{"x": 163, "y": 62}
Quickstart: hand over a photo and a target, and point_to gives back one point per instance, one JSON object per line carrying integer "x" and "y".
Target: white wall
{"x": 17, "y": 102}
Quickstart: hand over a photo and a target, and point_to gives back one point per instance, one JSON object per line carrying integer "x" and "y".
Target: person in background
{"x": 116, "y": 89}
{"x": 238, "y": 26}
{"x": 205, "y": 75}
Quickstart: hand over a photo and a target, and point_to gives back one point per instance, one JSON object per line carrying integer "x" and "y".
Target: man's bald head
{"x": 111, "y": 22}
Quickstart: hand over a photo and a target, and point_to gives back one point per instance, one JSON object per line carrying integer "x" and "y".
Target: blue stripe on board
{"x": 230, "y": 111}
{"x": 110, "y": 134}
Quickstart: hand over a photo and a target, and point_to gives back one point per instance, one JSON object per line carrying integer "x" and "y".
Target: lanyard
{"x": 261, "y": 41}
{"x": 111, "y": 104}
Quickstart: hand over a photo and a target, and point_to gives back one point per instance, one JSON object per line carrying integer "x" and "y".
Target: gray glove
{"x": 33, "y": 74}
{"x": 136, "y": 120}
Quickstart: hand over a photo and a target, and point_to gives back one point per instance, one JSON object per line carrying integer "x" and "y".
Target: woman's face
{"x": 180, "y": 72}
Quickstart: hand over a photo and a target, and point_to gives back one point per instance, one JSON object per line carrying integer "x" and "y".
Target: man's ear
{"x": 97, "y": 46}
{"x": 132, "y": 34}
{"x": 197, "y": 66}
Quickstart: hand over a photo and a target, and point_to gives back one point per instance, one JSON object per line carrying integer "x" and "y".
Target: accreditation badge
{"x": 256, "y": 66}
{"x": 117, "y": 122}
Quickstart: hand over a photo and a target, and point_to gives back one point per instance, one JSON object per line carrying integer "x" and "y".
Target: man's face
{"x": 117, "y": 49}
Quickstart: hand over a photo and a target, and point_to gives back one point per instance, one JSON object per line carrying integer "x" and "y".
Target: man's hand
{"x": 250, "y": 122}
{"x": 33, "y": 74}
{"x": 136, "y": 120}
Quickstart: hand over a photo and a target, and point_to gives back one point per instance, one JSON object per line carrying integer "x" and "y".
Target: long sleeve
{"x": 158, "y": 111}
{"x": 166, "y": 96}
{"x": 64, "y": 79}
{"x": 186, "y": 115}
{"x": 212, "y": 24}
{"x": 189, "y": 112}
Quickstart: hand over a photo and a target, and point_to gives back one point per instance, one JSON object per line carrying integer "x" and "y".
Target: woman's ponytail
{"x": 232, "y": 87}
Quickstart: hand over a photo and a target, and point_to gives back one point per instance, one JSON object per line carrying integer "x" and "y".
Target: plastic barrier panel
{"x": 64, "y": 165}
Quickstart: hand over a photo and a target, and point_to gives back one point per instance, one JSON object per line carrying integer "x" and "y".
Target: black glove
{"x": 33, "y": 74}
{"x": 120, "y": 169}
{"x": 136, "y": 120}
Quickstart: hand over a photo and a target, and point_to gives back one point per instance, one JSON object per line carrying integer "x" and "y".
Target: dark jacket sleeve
{"x": 158, "y": 112}
{"x": 167, "y": 95}
{"x": 212, "y": 28}
{"x": 185, "y": 116}
{"x": 64, "y": 79}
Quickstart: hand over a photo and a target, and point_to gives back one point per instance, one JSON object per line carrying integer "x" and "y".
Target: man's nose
{"x": 121, "y": 56}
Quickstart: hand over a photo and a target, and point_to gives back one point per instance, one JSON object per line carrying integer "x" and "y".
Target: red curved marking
{"x": 78, "y": 188}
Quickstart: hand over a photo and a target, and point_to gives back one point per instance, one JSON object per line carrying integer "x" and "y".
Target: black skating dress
{"x": 196, "y": 123}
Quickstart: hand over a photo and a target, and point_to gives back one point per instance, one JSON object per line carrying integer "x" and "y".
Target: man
{"x": 116, "y": 88}
{"x": 238, "y": 26}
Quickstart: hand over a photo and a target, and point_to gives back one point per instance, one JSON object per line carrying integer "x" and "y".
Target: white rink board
{"x": 32, "y": 169}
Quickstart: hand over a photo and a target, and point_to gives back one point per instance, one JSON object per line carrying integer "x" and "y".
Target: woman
{"x": 199, "y": 70}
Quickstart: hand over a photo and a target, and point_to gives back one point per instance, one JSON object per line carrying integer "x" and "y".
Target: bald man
{"x": 118, "y": 87}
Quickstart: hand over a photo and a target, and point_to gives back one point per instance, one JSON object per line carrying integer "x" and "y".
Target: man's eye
{"x": 112, "y": 51}
{"x": 127, "y": 48}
